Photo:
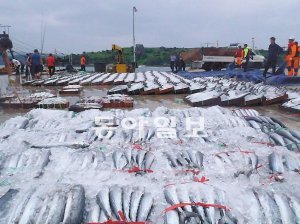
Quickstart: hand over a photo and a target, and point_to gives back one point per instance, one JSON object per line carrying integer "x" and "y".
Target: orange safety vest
{"x": 82, "y": 60}
{"x": 50, "y": 61}
{"x": 292, "y": 50}
{"x": 298, "y": 51}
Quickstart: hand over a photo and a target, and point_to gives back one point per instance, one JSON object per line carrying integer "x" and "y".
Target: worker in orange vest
{"x": 82, "y": 62}
{"x": 296, "y": 60}
{"x": 51, "y": 64}
{"x": 239, "y": 56}
{"x": 291, "y": 57}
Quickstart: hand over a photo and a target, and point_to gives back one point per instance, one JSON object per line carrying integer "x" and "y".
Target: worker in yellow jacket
{"x": 291, "y": 58}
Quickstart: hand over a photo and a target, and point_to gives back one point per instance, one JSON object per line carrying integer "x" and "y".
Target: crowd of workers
{"x": 243, "y": 55}
{"x": 177, "y": 63}
{"x": 34, "y": 62}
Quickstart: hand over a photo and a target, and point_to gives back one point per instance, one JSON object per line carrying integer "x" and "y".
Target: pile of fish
{"x": 186, "y": 159}
{"x": 71, "y": 89}
{"x": 62, "y": 205}
{"x": 293, "y": 105}
{"x": 132, "y": 158}
{"x": 148, "y": 166}
{"x": 121, "y": 203}
{"x": 230, "y": 92}
{"x": 55, "y": 102}
{"x": 109, "y": 101}
{"x": 207, "y": 204}
{"x": 278, "y": 133}
{"x": 24, "y": 100}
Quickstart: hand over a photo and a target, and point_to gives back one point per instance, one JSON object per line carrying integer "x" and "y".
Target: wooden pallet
{"x": 118, "y": 104}
{"x": 278, "y": 99}
{"x": 69, "y": 91}
{"x": 79, "y": 107}
{"x": 53, "y": 106}
{"x": 165, "y": 91}
{"x": 254, "y": 102}
{"x": 208, "y": 102}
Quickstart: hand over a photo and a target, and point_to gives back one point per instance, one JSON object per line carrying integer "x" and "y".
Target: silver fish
{"x": 149, "y": 160}
{"x": 57, "y": 208}
{"x": 278, "y": 122}
{"x": 276, "y": 163}
{"x": 103, "y": 201}
{"x": 254, "y": 160}
{"x": 199, "y": 159}
{"x": 296, "y": 134}
{"x": 75, "y": 145}
{"x": 269, "y": 207}
{"x": 295, "y": 204}
{"x": 126, "y": 197}
{"x": 134, "y": 204}
{"x": 171, "y": 217}
{"x": 140, "y": 158}
{"x": 278, "y": 139}
{"x": 115, "y": 197}
{"x": 19, "y": 209}
{"x": 183, "y": 197}
{"x": 195, "y": 197}
{"x": 171, "y": 196}
{"x": 292, "y": 163}
{"x": 171, "y": 159}
{"x": 145, "y": 207}
{"x": 119, "y": 159}
{"x": 286, "y": 212}
{"x": 287, "y": 134}
{"x": 94, "y": 213}
{"x": 75, "y": 205}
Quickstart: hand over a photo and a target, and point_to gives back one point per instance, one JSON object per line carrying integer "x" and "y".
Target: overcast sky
{"x": 93, "y": 25}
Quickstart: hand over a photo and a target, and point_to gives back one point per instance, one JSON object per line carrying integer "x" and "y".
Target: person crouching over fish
{"x": 5, "y": 44}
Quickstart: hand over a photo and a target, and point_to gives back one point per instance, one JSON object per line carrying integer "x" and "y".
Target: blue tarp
{"x": 251, "y": 75}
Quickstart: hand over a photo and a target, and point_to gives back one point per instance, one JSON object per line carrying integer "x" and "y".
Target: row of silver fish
{"x": 130, "y": 158}
{"x": 279, "y": 163}
{"x": 116, "y": 203}
{"x": 61, "y": 206}
{"x": 266, "y": 207}
{"x": 32, "y": 160}
{"x": 192, "y": 214}
{"x": 245, "y": 112}
{"x": 186, "y": 159}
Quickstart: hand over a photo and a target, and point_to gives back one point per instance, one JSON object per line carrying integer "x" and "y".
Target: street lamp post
{"x": 134, "y": 10}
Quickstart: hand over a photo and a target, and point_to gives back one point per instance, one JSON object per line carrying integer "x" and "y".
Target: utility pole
{"x": 253, "y": 43}
{"x": 134, "y": 10}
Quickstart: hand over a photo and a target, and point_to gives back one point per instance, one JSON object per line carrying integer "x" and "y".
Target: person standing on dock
{"x": 273, "y": 53}
{"x": 297, "y": 59}
{"x": 5, "y": 44}
{"x": 36, "y": 64}
{"x": 181, "y": 64}
{"x": 172, "y": 62}
{"x": 16, "y": 65}
{"x": 291, "y": 56}
{"x": 51, "y": 64}
{"x": 82, "y": 62}
{"x": 239, "y": 56}
{"x": 177, "y": 63}
{"x": 27, "y": 67}
{"x": 246, "y": 55}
